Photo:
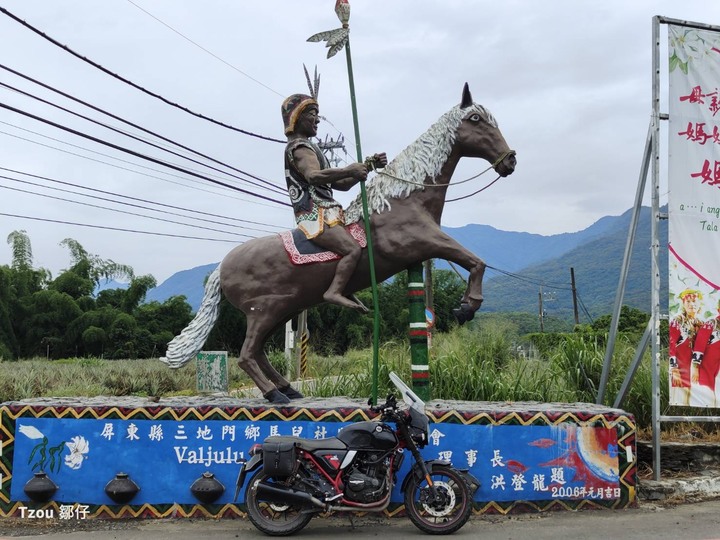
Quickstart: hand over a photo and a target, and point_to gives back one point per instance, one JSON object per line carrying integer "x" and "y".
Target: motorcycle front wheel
{"x": 270, "y": 518}
{"x": 449, "y": 511}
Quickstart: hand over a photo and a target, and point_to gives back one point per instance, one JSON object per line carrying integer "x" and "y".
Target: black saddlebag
{"x": 279, "y": 458}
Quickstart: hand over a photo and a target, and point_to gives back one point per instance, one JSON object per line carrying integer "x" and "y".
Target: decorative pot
{"x": 207, "y": 489}
{"x": 121, "y": 489}
{"x": 40, "y": 487}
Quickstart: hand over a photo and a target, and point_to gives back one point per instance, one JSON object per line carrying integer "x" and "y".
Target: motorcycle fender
{"x": 416, "y": 471}
{"x": 245, "y": 468}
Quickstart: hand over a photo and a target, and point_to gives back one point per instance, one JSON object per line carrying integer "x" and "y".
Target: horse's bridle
{"x": 492, "y": 166}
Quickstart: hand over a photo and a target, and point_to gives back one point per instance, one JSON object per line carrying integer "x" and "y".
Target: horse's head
{"x": 478, "y": 135}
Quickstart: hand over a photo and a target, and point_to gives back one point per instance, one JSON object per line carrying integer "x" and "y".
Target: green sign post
{"x": 212, "y": 372}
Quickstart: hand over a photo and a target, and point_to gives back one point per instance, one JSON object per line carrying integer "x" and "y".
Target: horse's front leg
{"x": 450, "y": 250}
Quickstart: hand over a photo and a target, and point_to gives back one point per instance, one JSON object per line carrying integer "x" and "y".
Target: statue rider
{"x": 310, "y": 183}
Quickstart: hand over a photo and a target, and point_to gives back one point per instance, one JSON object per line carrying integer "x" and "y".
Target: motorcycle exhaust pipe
{"x": 285, "y": 495}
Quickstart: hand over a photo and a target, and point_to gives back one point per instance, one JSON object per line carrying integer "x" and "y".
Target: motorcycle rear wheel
{"x": 439, "y": 517}
{"x": 273, "y": 519}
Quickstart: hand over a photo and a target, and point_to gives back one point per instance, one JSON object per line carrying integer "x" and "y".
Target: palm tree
{"x": 92, "y": 266}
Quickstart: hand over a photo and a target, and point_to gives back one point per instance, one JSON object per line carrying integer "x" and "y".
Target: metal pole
{"x": 624, "y": 269}
{"x": 368, "y": 232}
{"x": 337, "y": 39}
{"x": 630, "y": 375}
{"x": 655, "y": 293}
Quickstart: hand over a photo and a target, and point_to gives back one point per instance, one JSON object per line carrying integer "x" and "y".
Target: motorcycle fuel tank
{"x": 368, "y": 436}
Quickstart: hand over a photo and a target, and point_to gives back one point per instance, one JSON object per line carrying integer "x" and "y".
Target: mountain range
{"x": 525, "y": 267}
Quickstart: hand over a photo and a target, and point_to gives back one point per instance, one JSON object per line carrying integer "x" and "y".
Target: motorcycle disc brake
{"x": 448, "y": 496}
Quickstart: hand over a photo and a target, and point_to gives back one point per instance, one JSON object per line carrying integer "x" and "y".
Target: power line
{"x": 136, "y": 154}
{"x": 124, "y": 168}
{"x": 134, "y": 85}
{"x": 116, "y": 228}
{"x": 532, "y": 281}
{"x": 215, "y": 216}
{"x": 125, "y": 212}
{"x": 123, "y": 120}
{"x": 205, "y": 50}
{"x": 273, "y": 187}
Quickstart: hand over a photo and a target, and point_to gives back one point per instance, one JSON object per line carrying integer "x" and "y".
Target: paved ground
{"x": 690, "y": 521}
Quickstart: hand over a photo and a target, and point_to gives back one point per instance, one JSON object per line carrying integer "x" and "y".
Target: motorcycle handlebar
{"x": 390, "y": 405}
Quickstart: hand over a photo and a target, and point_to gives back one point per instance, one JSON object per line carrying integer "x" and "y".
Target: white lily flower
{"x": 31, "y": 432}
{"x": 78, "y": 447}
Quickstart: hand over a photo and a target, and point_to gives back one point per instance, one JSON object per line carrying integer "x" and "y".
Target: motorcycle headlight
{"x": 419, "y": 427}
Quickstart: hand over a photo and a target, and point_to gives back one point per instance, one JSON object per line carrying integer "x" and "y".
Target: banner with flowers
{"x": 694, "y": 216}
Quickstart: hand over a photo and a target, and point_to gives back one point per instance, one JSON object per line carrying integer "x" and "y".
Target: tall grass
{"x": 467, "y": 364}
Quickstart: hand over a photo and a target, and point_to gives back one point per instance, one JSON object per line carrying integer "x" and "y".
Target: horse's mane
{"x": 421, "y": 160}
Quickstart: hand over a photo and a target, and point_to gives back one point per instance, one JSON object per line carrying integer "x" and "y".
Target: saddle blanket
{"x": 304, "y": 251}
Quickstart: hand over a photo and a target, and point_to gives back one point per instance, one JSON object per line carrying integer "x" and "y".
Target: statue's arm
{"x": 341, "y": 178}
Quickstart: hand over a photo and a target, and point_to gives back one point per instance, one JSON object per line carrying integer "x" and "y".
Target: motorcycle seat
{"x": 331, "y": 443}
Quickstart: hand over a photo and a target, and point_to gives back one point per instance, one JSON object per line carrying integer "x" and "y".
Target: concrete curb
{"x": 706, "y": 485}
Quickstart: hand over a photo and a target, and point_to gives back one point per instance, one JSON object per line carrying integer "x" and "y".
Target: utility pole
{"x": 540, "y": 306}
{"x": 574, "y": 294}
{"x": 329, "y": 145}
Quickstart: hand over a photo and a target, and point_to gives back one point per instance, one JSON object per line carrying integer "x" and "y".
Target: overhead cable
{"x": 134, "y": 85}
{"x": 123, "y": 120}
{"x": 115, "y": 165}
{"x": 137, "y": 154}
{"x": 228, "y": 64}
{"x": 129, "y": 123}
{"x": 124, "y": 212}
{"x": 116, "y": 228}
{"x": 145, "y": 141}
{"x": 96, "y": 190}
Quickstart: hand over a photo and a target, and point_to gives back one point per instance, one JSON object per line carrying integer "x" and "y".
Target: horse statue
{"x": 406, "y": 202}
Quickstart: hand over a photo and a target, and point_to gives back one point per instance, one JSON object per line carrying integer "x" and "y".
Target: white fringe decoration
{"x": 422, "y": 159}
{"x": 185, "y": 347}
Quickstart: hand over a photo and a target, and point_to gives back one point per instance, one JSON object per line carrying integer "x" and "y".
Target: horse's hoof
{"x": 291, "y": 393}
{"x": 464, "y": 313}
{"x": 276, "y": 396}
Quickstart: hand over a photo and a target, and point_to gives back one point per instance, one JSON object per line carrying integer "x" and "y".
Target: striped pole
{"x": 418, "y": 332}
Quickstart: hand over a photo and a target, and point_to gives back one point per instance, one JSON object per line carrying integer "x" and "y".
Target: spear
{"x": 336, "y": 40}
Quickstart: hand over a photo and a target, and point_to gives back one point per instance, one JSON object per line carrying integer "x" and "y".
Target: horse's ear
{"x": 466, "y": 97}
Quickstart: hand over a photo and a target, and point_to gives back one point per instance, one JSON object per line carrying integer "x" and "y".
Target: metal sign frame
{"x": 651, "y": 160}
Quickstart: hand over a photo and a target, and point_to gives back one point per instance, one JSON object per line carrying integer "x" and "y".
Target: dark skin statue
{"x": 333, "y": 238}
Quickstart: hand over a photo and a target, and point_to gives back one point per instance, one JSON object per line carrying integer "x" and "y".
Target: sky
{"x": 569, "y": 83}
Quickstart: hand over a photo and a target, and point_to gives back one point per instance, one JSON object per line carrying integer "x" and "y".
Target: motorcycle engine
{"x": 367, "y": 478}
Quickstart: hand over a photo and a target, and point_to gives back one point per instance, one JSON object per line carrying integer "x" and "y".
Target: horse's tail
{"x": 185, "y": 347}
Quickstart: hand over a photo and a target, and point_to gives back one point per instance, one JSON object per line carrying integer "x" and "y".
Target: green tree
{"x": 92, "y": 266}
{"x": 50, "y": 313}
{"x": 631, "y": 320}
{"x": 121, "y": 337}
{"x": 135, "y": 293}
{"x": 8, "y": 341}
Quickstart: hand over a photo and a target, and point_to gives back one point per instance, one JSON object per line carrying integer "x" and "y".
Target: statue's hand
{"x": 376, "y": 161}
{"x": 357, "y": 171}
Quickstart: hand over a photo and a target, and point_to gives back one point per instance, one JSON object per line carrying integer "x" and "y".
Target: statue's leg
{"x": 337, "y": 240}
{"x": 254, "y": 362}
{"x": 450, "y": 250}
{"x": 281, "y": 383}
{"x": 444, "y": 247}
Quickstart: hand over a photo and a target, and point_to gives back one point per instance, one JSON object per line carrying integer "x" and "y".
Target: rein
{"x": 492, "y": 166}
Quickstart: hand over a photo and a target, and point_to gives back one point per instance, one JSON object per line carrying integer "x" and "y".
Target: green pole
{"x": 418, "y": 332}
{"x": 336, "y": 40}
{"x": 366, "y": 219}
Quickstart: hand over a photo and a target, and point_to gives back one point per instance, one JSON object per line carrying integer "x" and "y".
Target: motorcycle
{"x": 295, "y": 478}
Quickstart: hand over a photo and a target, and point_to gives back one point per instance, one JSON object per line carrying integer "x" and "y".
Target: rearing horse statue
{"x": 406, "y": 203}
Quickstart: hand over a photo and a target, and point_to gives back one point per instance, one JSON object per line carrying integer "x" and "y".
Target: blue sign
{"x": 164, "y": 457}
